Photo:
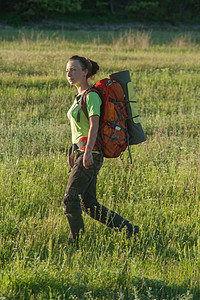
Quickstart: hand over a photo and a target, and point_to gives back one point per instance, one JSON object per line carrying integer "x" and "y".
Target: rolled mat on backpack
{"x": 136, "y": 133}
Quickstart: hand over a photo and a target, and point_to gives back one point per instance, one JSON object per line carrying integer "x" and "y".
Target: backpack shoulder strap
{"x": 82, "y": 103}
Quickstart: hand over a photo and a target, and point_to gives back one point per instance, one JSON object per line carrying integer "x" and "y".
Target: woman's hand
{"x": 87, "y": 159}
{"x": 71, "y": 160}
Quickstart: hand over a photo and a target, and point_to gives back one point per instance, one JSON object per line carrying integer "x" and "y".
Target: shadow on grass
{"x": 53, "y": 287}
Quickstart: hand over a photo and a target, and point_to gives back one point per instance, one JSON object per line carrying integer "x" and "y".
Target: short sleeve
{"x": 93, "y": 102}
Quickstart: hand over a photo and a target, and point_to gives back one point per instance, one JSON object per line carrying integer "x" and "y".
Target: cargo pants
{"x": 80, "y": 195}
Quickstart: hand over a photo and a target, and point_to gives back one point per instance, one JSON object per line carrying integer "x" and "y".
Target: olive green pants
{"x": 80, "y": 195}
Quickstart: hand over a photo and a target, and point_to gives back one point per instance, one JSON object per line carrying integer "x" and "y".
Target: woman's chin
{"x": 70, "y": 82}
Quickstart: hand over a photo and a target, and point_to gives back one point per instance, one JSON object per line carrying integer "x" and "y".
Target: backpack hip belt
{"x": 83, "y": 142}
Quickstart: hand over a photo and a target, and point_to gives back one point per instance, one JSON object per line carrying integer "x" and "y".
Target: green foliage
{"x": 154, "y": 10}
{"x": 159, "y": 192}
{"x": 38, "y": 9}
{"x": 146, "y": 7}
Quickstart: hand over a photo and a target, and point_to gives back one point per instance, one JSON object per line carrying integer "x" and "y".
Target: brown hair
{"x": 89, "y": 64}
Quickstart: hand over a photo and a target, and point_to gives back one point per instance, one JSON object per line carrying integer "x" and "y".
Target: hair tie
{"x": 90, "y": 64}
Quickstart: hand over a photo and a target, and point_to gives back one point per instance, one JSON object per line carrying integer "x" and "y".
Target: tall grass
{"x": 132, "y": 40}
{"x": 159, "y": 191}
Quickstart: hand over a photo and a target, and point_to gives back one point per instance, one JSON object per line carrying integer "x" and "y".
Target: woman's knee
{"x": 71, "y": 202}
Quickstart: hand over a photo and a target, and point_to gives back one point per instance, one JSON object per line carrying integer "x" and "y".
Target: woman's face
{"x": 75, "y": 75}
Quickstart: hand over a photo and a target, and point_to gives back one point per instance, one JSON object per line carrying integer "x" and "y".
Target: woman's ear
{"x": 86, "y": 72}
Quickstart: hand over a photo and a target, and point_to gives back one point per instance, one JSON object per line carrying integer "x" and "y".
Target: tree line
{"x": 130, "y": 10}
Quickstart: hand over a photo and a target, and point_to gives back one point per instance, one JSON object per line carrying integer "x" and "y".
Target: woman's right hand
{"x": 71, "y": 160}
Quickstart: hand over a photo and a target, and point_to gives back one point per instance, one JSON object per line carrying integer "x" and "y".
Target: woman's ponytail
{"x": 93, "y": 68}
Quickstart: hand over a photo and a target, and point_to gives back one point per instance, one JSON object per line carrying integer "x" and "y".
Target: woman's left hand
{"x": 87, "y": 159}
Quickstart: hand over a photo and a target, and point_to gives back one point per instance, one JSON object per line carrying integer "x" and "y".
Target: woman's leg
{"x": 79, "y": 180}
{"x": 94, "y": 209}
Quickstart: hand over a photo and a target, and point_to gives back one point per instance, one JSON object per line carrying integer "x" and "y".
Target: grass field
{"x": 159, "y": 192}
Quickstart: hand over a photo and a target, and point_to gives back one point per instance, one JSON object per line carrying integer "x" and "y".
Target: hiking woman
{"x": 85, "y": 159}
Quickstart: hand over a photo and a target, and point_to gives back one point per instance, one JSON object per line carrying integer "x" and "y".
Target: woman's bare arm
{"x": 92, "y": 135}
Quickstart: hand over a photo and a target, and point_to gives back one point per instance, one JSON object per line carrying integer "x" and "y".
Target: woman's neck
{"x": 82, "y": 88}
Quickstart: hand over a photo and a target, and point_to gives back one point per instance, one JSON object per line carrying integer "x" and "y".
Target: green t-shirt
{"x": 80, "y": 129}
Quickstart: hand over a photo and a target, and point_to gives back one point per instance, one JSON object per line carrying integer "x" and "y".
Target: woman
{"x": 84, "y": 159}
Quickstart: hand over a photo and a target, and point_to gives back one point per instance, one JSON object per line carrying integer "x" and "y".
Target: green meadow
{"x": 159, "y": 191}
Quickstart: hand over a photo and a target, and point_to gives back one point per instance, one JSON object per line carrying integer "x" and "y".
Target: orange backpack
{"x": 113, "y": 137}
